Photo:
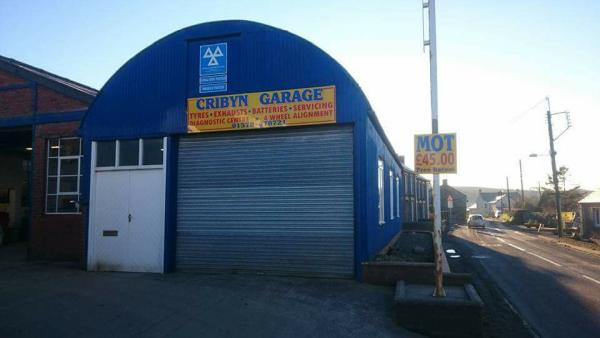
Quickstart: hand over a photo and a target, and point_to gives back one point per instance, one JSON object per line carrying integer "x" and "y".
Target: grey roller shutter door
{"x": 277, "y": 201}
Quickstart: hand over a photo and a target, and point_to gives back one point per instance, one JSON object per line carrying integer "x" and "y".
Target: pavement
{"x": 54, "y": 300}
{"x": 555, "y": 289}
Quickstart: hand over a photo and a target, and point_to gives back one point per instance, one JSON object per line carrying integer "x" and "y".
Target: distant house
{"x": 590, "y": 215}
{"x": 459, "y": 204}
{"x": 487, "y": 203}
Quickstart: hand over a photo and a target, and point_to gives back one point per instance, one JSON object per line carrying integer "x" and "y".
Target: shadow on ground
{"x": 53, "y": 300}
{"x": 536, "y": 293}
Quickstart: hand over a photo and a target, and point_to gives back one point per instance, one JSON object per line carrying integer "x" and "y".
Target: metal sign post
{"x": 437, "y": 220}
{"x": 450, "y": 206}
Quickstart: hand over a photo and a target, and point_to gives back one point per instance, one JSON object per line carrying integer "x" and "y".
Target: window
{"x": 380, "y": 190}
{"x": 596, "y": 216}
{"x": 391, "y": 195}
{"x": 129, "y": 153}
{"x": 397, "y": 196}
{"x": 106, "y": 153}
{"x": 63, "y": 175}
{"x": 152, "y": 151}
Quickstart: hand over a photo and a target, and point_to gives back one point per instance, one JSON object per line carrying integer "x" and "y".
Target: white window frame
{"x": 58, "y": 176}
{"x": 380, "y": 190}
{"x": 397, "y": 196}
{"x": 391, "y": 175}
{"x": 139, "y": 166}
{"x": 596, "y": 216}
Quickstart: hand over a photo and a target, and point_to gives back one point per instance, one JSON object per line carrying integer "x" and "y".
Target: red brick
{"x": 51, "y": 101}
{"x": 16, "y": 102}
{"x": 7, "y": 79}
{"x": 54, "y": 237}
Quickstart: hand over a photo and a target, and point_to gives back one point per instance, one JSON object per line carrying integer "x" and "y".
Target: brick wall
{"x": 7, "y": 79}
{"x": 51, "y": 101}
{"x": 18, "y": 102}
{"x": 54, "y": 237}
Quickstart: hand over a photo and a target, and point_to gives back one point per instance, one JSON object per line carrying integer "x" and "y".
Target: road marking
{"x": 519, "y": 233}
{"x": 531, "y": 253}
{"x": 516, "y": 247}
{"x": 590, "y": 278}
{"x": 543, "y": 258}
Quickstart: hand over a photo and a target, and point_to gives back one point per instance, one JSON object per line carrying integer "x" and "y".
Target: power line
{"x": 522, "y": 114}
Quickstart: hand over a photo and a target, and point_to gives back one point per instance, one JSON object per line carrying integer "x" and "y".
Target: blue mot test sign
{"x": 213, "y": 68}
{"x": 435, "y": 154}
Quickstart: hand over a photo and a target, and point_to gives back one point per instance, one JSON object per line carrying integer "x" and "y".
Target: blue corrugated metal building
{"x": 285, "y": 169}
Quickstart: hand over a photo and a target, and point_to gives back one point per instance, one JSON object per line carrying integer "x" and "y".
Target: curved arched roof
{"x": 147, "y": 95}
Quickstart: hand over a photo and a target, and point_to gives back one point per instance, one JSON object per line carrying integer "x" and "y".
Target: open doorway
{"x": 15, "y": 181}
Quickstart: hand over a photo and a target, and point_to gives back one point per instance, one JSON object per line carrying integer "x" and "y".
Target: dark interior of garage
{"x": 15, "y": 163}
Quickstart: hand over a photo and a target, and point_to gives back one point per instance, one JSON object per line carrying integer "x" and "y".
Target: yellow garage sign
{"x": 279, "y": 108}
{"x": 435, "y": 154}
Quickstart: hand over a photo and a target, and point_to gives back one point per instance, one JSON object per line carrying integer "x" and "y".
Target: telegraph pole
{"x": 554, "y": 172}
{"x": 522, "y": 191}
{"x": 508, "y": 194}
{"x": 437, "y": 217}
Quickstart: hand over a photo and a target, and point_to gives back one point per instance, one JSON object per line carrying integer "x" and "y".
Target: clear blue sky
{"x": 496, "y": 59}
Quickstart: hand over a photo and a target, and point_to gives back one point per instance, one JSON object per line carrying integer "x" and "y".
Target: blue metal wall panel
{"x": 147, "y": 96}
{"x": 41, "y": 118}
{"x": 379, "y": 235}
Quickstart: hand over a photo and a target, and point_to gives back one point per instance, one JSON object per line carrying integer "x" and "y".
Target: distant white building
{"x": 487, "y": 203}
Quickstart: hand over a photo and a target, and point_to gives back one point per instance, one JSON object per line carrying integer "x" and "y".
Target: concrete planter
{"x": 459, "y": 314}
{"x": 390, "y": 272}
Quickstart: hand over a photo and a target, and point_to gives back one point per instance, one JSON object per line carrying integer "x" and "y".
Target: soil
{"x": 410, "y": 247}
{"x": 499, "y": 319}
{"x": 580, "y": 243}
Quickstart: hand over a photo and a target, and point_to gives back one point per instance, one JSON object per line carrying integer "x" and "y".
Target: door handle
{"x": 129, "y": 218}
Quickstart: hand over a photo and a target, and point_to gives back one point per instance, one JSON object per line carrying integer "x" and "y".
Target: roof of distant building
{"x": 58, "y": 83}
{"x": 593, "y": 197}
{"x": 490, "y": 197}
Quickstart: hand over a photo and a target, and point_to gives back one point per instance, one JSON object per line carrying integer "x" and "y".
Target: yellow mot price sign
{"x": 435, "y": 154}
{"x": 279, "y": 108}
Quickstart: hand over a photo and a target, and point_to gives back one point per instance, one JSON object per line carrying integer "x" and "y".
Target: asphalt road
{"x": 555, "y": 289}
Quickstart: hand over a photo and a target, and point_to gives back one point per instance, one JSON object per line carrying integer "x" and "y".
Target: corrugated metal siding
{"x": 275, "y": 201}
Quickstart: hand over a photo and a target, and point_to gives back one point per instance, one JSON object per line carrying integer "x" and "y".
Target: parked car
{"x": 476, "y": 221}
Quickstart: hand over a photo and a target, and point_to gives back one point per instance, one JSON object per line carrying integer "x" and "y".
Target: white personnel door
{"x": 110, "y": 220}
{"x": 146, "y": 226}
{"x": 127, "y": 213}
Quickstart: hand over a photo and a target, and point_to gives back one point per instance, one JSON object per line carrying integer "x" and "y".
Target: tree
{"x": 568, "y": 200}
{"x": 561, "y": 174}
{"x": 531, "y": 203}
